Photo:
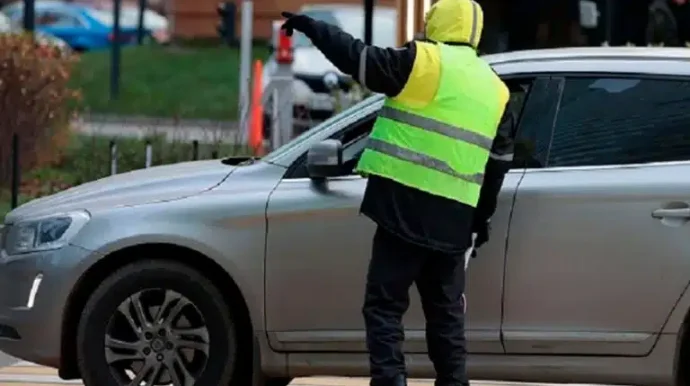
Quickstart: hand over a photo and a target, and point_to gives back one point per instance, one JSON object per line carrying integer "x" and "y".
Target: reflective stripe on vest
{"x": 421, "y": 160}
{"x": 440, "y": 147}
{"x": 438, "y": 127}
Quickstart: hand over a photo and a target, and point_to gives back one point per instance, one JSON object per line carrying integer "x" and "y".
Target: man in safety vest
{"x": 435, "y": 162}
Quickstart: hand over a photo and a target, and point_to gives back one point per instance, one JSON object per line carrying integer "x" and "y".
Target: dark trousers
{"x": 440, "y": 278}
{"x": 630, "y": 18}
{"x": 682, "y": 14}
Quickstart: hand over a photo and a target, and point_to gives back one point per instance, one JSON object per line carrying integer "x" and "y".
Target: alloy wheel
{"x": 157, "y": 337}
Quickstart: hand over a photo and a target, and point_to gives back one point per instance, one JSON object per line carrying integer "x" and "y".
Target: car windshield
{"x": 352, "y": 22}
{"x": 279, "y": 152}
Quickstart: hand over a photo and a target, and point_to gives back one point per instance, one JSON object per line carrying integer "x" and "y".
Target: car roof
{"x": 580, "y": 53}
{"x": 616, "y": 60}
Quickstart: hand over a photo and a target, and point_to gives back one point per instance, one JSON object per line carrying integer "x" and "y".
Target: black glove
{"x": 295, "y": 22}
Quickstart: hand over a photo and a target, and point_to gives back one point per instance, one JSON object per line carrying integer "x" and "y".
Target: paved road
{"x": 28, "y": 374}
{"x": 16, "y": 373}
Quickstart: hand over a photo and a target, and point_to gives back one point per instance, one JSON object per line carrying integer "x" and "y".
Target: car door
{"x": 318, "y": 249}
{"x": 598, "y": 246}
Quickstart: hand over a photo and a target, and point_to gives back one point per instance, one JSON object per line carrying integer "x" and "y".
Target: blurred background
{"x": 79, "y": 101}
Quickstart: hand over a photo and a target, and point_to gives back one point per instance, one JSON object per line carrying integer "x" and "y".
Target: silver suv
{"x": 213, "y": 271}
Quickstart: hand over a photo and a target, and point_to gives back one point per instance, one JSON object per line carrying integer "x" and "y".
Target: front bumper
{"x": 34, "y": 289}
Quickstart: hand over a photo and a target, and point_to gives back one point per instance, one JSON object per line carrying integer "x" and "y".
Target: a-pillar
{"x": 411, "y": 18}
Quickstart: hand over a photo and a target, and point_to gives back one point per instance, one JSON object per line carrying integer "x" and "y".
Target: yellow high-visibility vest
{"x": 440, "y": 145}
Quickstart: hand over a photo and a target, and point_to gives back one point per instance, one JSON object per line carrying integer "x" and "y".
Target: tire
{"x": 142, "y": 282}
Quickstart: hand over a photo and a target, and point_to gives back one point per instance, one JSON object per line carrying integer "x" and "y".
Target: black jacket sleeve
{"x": 500, "y": 161}
{"x": 381, "y": 70}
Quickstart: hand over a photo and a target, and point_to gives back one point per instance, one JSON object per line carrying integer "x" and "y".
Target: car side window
{"x": 534, "y": 122}
{"x": 56, "y": 19}
{"x": 618, "y": 121}
{"x": 354, "y": 138}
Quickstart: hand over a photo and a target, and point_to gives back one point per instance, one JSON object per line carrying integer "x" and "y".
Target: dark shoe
{"x": 397, "y": 381}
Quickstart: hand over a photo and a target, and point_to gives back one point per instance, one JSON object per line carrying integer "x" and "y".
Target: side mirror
{"x": 325, "y": 159}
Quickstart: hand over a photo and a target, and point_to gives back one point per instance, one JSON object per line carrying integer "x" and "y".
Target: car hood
{"x": 162, "y": 183}
{"x": 310, "y": 61}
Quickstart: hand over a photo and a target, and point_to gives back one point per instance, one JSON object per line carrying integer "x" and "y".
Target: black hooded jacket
{"x": 431, "y": 221}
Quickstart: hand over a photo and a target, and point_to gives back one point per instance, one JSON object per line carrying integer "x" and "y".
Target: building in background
{"x": 198, "y": 18}
{"x": 509, "y": 24}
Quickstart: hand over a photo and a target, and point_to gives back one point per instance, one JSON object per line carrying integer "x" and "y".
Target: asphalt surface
{"x": 19, "y": 373}
{"x": 14, "y": 373}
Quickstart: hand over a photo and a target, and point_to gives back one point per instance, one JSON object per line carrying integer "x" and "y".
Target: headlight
{"x": 44, "y": 233}
{"x": 331, "y": 80}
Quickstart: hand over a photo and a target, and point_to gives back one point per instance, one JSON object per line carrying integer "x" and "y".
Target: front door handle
{"x": 680, "y": 213}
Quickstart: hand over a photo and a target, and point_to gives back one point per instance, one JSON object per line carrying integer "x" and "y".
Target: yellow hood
{"x": 455, "y": 21}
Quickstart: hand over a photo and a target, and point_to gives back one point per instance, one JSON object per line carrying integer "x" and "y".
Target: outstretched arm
{"x": 381, "y": 70}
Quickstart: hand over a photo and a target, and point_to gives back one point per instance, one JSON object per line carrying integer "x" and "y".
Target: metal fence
{"x": 95, "y": 154}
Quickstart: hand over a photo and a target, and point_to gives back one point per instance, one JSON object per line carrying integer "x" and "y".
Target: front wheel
{"x": 156, "y": 323}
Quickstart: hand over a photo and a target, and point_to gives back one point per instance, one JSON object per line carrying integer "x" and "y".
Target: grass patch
{"x": 185, "y": 82}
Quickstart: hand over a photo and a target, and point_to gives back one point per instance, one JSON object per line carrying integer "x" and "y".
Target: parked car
{"x": 82, "y": 27}
{"x": 206, "y": 266}
{"x": 314, "y": 100}
{"x": 155, "y": 23}
{"x": 43, "y": 39}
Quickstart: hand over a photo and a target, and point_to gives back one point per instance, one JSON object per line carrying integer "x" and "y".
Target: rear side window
{"x": 618, "y": 121}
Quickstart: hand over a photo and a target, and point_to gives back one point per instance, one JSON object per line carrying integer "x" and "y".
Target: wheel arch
{"x": 114, "y": 260}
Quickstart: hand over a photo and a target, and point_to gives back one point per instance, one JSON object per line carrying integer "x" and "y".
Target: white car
{"x": 153, "y": 21}
{"x": 313, "y": 100}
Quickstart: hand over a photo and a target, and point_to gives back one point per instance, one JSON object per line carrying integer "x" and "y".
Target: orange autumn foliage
{"x": 34, "y": 102}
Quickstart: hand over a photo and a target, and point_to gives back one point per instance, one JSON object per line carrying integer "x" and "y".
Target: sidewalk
{"x": 29, "y": 374}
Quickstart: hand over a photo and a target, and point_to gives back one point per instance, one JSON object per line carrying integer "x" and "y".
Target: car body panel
{"x": 226, "y": 224}
{"x": 601, "y": 255}
{"x": 41, "y": 340}
{"x": 163, "y": 183}
{"x": 298, "y": 270}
